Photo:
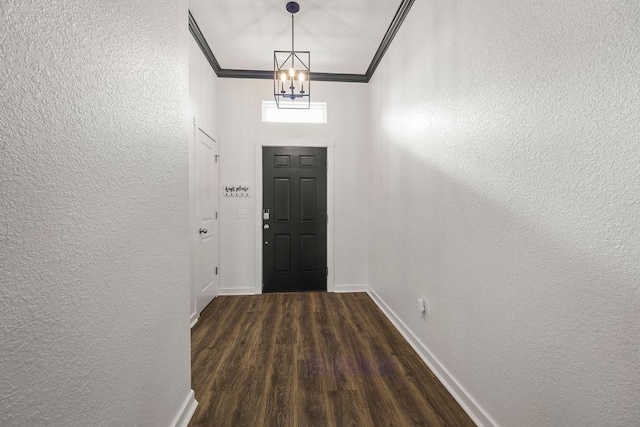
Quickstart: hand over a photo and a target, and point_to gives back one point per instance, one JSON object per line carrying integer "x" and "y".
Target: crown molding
{"x": 204, "y": 46}
{"x": 268, "y": 75}
{"x": 396, "y": 23}
{"x": 391, "y": 32}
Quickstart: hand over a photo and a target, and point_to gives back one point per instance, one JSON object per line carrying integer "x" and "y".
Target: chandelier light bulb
{"x": 301, "y": 77}
{"x": 292, "y": 72}
{"x": 283, "y": 77}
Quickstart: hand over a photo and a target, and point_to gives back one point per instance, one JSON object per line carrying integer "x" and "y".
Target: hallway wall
{"x": 505, "y": 190}
{"x": 240, "y": 118}
{"x": 203, "y": 107}
{"x": 203, "y": 90}
{"x": 94, "y": 279}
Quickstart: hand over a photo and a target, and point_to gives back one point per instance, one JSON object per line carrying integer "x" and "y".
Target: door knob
{"x": 266, "y": 226}
{"x": 203, "y": 230}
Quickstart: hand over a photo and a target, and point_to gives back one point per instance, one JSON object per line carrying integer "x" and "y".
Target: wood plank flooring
{"x": 310, "y": 359}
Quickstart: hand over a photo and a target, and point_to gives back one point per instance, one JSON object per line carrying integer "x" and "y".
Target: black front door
{"x": 294, "y": 221}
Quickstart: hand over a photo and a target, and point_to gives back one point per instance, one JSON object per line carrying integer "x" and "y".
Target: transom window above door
{"x": 317, "y": 113}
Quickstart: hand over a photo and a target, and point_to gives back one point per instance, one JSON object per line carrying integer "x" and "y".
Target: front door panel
{"x": 295, "y": 233}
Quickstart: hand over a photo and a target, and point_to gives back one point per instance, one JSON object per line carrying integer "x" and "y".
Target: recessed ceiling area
{"x": 342, "y": 36}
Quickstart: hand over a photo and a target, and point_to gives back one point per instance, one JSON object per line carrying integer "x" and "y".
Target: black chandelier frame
{"x": 286, "y": 90}
{"x": 289, "y": 65}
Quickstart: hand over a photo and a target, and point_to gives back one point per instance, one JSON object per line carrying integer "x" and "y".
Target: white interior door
{"x": 206, "y": 194}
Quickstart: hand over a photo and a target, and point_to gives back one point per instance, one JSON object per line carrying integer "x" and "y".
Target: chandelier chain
{"x": 292, "y": 34}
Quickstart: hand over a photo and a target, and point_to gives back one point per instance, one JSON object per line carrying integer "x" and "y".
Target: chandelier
{"x": 291, "y": 73}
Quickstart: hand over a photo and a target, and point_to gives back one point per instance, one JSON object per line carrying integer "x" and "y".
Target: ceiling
{"x": 342, "y": 36}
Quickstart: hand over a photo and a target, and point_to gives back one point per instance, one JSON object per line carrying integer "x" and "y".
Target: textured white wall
{"x": 93, "y": 230}
{"x": 240, "y": 119}
{"x": 506, "y": 191}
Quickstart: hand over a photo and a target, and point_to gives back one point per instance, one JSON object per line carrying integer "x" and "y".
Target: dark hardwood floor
{"x": 310, "y": 359}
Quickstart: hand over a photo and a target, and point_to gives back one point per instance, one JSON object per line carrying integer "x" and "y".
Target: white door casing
{"x": 206, "y": 209}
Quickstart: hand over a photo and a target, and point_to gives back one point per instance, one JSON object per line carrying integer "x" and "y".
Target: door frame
{"x": 330, "y": 145}
{"x": 193, "y": 248}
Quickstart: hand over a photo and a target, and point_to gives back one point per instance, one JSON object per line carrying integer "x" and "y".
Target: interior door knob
{"x": 266, "y": 226}
{"x": 203, "y": 231}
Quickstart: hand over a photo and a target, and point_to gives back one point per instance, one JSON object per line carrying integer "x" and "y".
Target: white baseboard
{"x": 186, "y": 411}
{"x": 237, "y": 291}
{"x": 470, "y": 406}
{"x": 252, "y": 290}
{"x": 194, "y": 318}
{"x": 338, "y": 289}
